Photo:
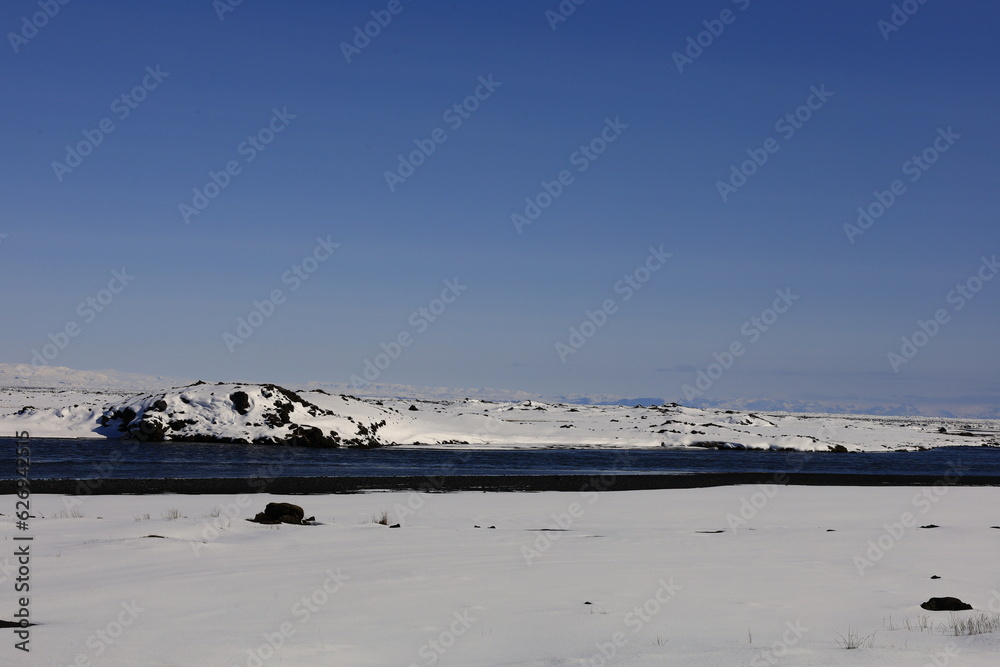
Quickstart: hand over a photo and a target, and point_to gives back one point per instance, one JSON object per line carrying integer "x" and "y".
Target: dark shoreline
{"x": 486, "y": 483}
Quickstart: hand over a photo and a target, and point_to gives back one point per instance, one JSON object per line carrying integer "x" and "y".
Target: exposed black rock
{"x": 312, "y": 436}
{"x": 241, "y": 401}
{"x": 945, "y": 604}
{"x": 275, "y": 513}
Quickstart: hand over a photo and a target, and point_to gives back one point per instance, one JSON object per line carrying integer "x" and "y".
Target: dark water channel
{"x": 90, "y": 459}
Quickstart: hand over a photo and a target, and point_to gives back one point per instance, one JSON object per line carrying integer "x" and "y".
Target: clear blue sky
{"x": 609, "y": 67}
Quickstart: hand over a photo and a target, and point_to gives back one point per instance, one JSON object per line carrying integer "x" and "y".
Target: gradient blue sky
{"x": 323, "y": 176}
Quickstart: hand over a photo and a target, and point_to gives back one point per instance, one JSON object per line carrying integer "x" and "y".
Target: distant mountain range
{"x": 928, "y": 408}
{"x": 28, "y": 376}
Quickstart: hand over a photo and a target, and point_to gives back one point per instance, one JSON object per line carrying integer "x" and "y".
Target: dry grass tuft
{"x": 979, "y": 623}
{"x": 854, "y": 639}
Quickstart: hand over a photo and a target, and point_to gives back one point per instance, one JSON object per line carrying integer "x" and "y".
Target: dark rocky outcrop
{"x": 312, "y": 436}
{"x": 241, "y": 401}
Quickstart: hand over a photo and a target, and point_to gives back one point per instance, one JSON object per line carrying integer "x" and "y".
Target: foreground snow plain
{"x": 775, "y": 586}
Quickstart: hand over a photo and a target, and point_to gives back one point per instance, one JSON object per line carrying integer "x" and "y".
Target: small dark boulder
{"x": 934, "y": 576}
{"x": 282, "y": 513}
{"x": 412, "y": 408}
{"x": 931, "y": 525}
{"x": 945, "y": 604}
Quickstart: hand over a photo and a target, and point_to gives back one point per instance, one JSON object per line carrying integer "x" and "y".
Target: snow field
{"x": 663, "y": 587}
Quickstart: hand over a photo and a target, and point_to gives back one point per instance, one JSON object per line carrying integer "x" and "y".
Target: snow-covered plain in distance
{"x": 809, "y": 564}
{"x": 63, "y": 403}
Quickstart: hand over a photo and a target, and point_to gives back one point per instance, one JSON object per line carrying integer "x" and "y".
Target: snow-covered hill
{"x": 249, "y": 414}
